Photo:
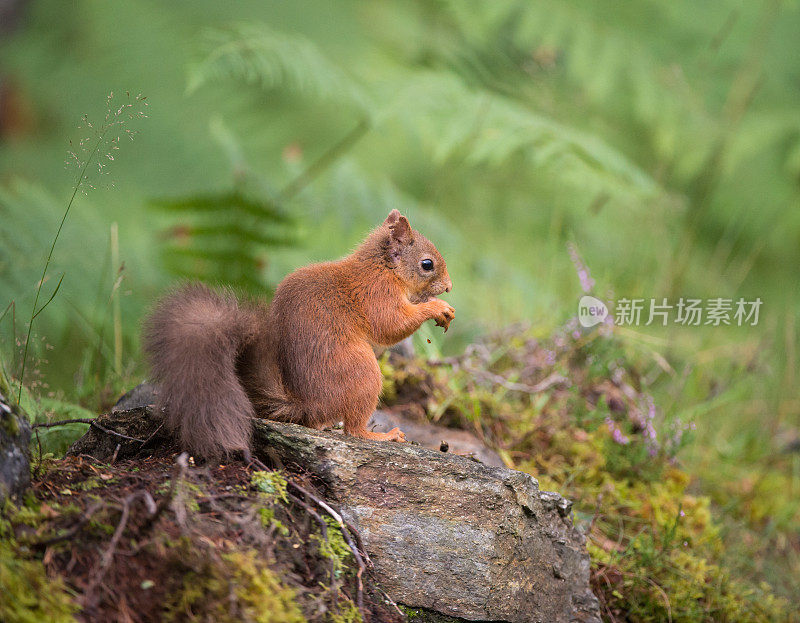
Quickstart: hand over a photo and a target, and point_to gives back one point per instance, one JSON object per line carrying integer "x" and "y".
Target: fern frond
{"x": 240, "y": 232}
{"x": 483, "y": 128}
{"x": 223, "y": 237}
{"x": 259, "y": 55}
{"x": 612, "y": 65}
{"x": 233, "y": 201}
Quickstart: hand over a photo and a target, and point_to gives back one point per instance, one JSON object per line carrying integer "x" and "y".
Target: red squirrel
{"x": 307, "y": 357}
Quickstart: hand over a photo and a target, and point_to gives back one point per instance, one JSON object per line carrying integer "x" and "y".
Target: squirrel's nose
{"x": 449, "y": 286}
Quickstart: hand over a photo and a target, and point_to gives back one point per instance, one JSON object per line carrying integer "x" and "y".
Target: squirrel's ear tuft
{"x": 394, "y": 215}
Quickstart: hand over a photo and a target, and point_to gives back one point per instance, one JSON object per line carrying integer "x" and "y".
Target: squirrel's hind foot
{"x": 393, "y": 435}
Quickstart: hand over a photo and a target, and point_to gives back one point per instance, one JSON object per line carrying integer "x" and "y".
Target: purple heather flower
{"x": 651, "y": 407}
{"x": 571, "y": 324}
{"x": 587, "y": 283}
{"x": 616, "y": 434}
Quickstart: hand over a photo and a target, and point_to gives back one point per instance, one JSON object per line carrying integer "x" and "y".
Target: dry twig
{"x": 91, "y": 422}
{"x": 178, "y": 473}
{"x": 73, "y": 530}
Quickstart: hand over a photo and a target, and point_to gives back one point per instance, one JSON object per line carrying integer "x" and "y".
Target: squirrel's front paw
{"x": 443, "y": 313}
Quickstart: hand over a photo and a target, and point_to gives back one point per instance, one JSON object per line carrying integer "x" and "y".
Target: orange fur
{"x": 308, "y": 357}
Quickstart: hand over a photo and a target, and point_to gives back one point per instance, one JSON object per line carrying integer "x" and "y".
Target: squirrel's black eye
{"x": 426, "y": 264}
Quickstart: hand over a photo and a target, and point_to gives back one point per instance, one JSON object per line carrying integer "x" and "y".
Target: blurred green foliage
{"x": 662, "y": 139}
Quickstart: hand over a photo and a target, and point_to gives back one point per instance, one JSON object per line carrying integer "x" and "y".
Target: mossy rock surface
{"x": 15, "y": 435}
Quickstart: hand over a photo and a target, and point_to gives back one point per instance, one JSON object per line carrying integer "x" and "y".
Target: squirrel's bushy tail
{"x": 192, "y": 340}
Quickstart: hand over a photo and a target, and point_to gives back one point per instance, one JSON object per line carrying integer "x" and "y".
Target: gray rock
{"x": 142, "y": 395}
{"x": 447, "y": 533}
{"x": 15, "y": 457}
{"x": 432, "y": 435}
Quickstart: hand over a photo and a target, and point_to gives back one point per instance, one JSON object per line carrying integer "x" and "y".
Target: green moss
{"x": 27, "y": 595}
{"x": 10, "y": 424}
{"x": 657, "y": 541}
{"x": 190, "y": 487}
{"x": 190, "y": 492}
{"x": 270, "y": 483}
{"x": 421, "y": 615}
{"x": 335, "y": 548}
{"x": 29, "y": 515}
{"x": 350, "y": 614}
{"x": 267, "y": 517}
{"x": 98, "y": 526}
{"x": 237, "y": 587}
{"x": 87, "y": 485}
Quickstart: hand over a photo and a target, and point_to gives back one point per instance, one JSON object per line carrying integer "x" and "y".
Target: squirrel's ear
{"x": 392, "y": 218}
{"x": 400, "y": 231}
{"x": 400, "y": 235}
